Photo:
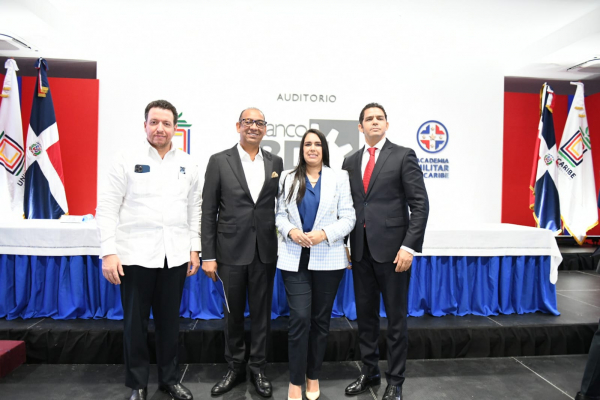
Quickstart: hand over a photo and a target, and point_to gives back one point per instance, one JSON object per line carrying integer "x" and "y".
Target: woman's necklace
{"x": 311, "y": 179}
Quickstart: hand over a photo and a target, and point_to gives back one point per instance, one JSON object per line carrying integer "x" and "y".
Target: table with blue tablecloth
{"x": 50, "y": 268}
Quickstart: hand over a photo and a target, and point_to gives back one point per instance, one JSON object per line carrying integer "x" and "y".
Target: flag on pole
{"x": 44, "y": 183}
{"x": 544, "y": 200}
{"x": 576, "y": 186}
{"x": 12, "y": 155}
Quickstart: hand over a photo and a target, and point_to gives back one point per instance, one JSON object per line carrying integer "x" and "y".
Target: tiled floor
{"x": 536, "y": 378}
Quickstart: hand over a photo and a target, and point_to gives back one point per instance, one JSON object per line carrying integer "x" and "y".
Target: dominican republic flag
{"x": 12, "y": 155}
{"x": 576, "y": 186}
{"x": 44, "y": 183}
{"x": 544, "y": 199}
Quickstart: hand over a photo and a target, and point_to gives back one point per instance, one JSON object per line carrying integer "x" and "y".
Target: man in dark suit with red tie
{"x": 386, "y": 182}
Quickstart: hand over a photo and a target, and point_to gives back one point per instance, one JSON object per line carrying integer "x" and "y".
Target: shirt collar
{"x": 378, "y": 146}
{"x": 245, "y": 156}
{"x": 152, "y": 150}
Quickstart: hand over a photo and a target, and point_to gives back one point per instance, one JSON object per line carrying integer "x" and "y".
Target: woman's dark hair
{"x": 299, "y": 173}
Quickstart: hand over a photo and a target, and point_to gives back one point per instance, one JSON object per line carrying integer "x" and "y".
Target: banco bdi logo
{"x": 284, "y": 139}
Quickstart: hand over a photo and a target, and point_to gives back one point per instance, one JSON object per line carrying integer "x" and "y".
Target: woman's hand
{"x": 317, "y": 237}
{"x": 300, "y": 237}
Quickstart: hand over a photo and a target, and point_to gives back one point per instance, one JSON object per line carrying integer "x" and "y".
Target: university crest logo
{"x": 432, "y": 136}
{"x": 183, "y": 134}
{"x": 574, "y": 149}
{"x": 12, "y": 155}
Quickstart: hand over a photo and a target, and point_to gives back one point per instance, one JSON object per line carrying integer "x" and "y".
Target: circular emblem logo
{"x": 36, "y": 149}
{"x": 548, "y": 159}
{"x": 432, "y": 136}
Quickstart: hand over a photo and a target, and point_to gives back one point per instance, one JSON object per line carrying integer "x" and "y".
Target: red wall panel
{"x": 76, "y": 109}
{"x": 520, "y": 128}
{"x": 592, "y": 107}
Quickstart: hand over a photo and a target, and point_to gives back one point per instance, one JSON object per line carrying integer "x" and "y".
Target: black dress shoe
{"x": 177, "y": 391}
{"x": 139, "y": 394}
{"x": 229, "y": 381}
{"x": 392, "y": 392}
{"x": 362, "y": 384}
{"x": 261, "y": 384}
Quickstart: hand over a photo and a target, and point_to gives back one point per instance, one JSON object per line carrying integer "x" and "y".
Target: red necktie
{"x": 369, "y": 169}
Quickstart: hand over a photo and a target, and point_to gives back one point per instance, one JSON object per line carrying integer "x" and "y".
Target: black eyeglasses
{"x": 249, "y": 122}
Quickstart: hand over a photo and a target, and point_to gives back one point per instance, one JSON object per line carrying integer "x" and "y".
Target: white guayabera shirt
{"x": 149, "y": 208}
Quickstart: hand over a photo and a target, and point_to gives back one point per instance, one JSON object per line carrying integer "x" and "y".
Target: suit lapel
{"x": 385, "y": 153}
{"x": 268, "y": 162}
{"x": 357, "y": 176}
{"x": 236, "y": 166}
{"x": 328, "y": 186}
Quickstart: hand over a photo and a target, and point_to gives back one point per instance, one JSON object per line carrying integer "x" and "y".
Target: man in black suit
{"x": 239, "y": 242}
{"x": 386, "y": 181}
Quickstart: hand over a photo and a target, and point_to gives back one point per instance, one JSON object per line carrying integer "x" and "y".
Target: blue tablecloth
{"x": 67, "y": 287}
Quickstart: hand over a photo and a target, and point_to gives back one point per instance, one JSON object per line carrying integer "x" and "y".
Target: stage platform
{"x": 578, "y": 258}
{"x": 81, "y": 341}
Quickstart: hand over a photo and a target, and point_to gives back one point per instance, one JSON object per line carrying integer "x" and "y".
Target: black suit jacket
{"x": 395, "y": 186}
{"x": 232, "y": 224}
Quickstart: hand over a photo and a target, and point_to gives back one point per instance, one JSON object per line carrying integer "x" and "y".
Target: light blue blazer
{"x": 335, "y": 216}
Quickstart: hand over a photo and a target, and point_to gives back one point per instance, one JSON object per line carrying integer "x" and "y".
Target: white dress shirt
{"x": 254, "y": 171}
{"x": 144, "y": 217}
{"x": 363, "y": 166}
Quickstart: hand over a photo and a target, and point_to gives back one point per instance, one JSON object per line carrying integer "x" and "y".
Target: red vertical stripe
{"x": 56, "y": 160}
{"x": 521, "y": 120}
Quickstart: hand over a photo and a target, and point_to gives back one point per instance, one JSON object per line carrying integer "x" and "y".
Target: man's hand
{"x": 194, "y": 263}
{"x": 300, "y": 237}
{"x": 112, "y": 268}
{"x": 403, "y": 260}
{"x": 210, "y": 269}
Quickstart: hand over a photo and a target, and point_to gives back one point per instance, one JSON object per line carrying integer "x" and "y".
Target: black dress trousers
{"x": 590, "y": 384}
{"x": 256, "y": 281}
{"x": 159, "y": 289}
{"x": 310, "y": 296}
{"x": 370, "y": 279}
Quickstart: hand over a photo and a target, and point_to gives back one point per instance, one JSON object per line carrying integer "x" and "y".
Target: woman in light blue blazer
{"x": 314, "y": 214}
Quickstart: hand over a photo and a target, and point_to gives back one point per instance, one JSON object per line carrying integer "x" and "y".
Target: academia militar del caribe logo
{"x": 432, "y": 137}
